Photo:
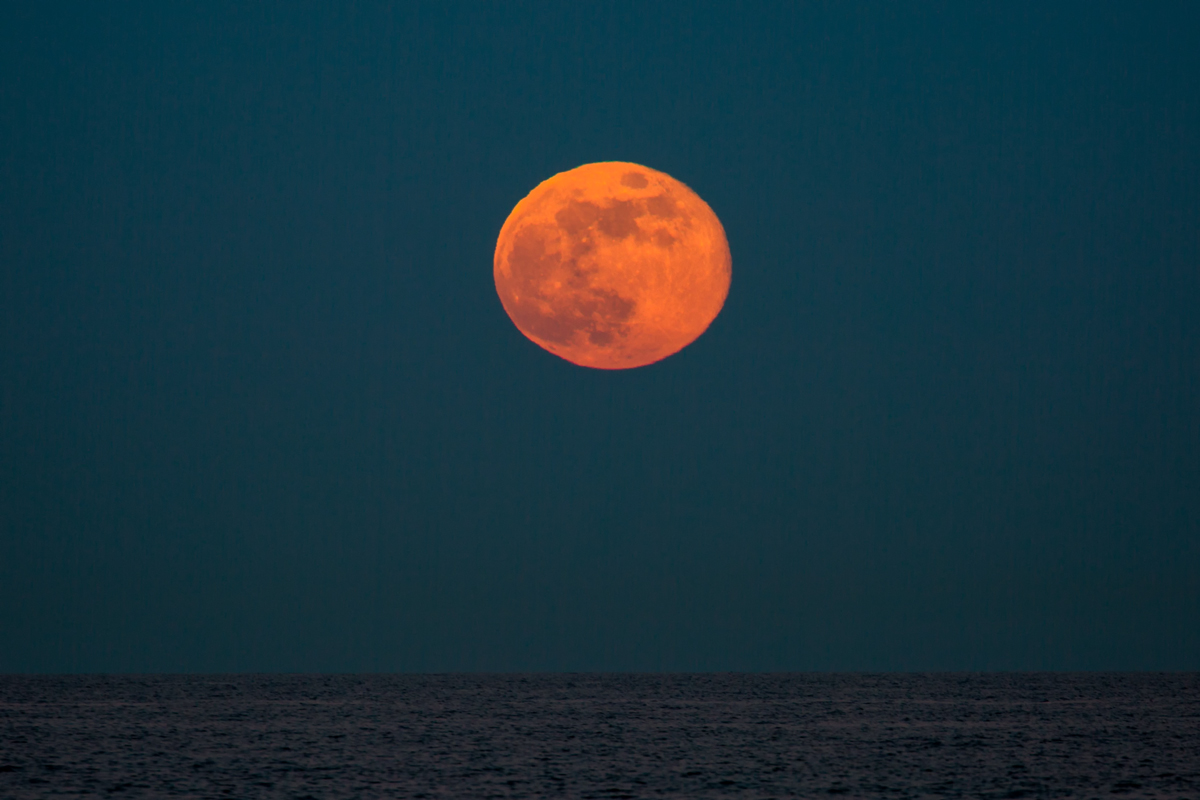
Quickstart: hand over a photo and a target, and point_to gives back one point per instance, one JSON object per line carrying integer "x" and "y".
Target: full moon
{"x": 612, "y": 265}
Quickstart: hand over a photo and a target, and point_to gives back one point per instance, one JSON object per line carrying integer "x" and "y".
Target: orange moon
{"x": 612, "y": 265}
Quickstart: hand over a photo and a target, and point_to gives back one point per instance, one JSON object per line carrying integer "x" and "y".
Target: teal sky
{"x": 261, "y": 409}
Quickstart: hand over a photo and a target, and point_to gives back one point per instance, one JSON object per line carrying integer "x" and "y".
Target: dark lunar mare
{"x": 598, "y": 313}
{"x": 621, "y": 735}
{"x": 579, "y": 307}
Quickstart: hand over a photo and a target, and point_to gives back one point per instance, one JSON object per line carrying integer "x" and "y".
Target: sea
{"x": 601, "y": 736}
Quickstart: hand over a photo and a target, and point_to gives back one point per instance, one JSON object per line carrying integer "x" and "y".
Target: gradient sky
{"x": 261, "y": 409}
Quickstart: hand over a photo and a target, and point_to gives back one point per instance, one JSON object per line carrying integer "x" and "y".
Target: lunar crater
{"x": 634, "y": 180}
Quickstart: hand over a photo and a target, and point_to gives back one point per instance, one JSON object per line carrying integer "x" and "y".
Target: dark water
{"x": 602, "y": 736}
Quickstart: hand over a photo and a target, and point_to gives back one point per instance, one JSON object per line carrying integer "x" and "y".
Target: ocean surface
{"x": 601, "y": 736}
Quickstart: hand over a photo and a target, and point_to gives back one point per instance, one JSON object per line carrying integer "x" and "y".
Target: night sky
{"x": 262, "y": 410}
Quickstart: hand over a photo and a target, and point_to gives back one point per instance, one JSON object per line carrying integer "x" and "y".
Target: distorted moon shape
{"x": 612, "y": 265}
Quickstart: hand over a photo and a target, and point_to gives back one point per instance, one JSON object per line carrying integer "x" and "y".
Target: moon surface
{"x": 612, "y": 265}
